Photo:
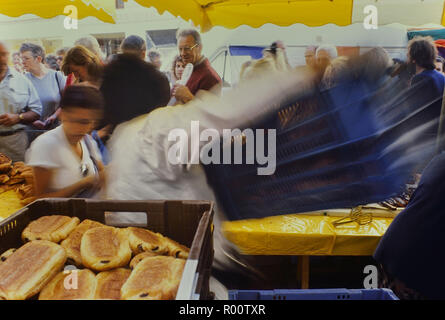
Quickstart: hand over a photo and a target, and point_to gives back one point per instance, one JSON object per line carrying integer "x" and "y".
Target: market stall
{"x": 311, "y": 234}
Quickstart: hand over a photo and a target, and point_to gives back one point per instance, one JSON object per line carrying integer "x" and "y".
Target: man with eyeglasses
{"x": 204, "y": 77}
{"x": 19, "y": 105}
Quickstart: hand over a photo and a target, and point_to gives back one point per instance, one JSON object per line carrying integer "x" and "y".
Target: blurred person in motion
{"x": 323, "y": 57}
{"x": 334, "y": 72}
{"x": 309, "y": 57}
{"x": 48, "y": 83}
{"x": 19, "y": 106}
{"x": 142, "y": 165}
{"x": 272, "y": 52}
{"x": 88, "y": 71}
{"x": 410, "y": 252}
{"x": 204, "y": 77}
{"x": 134, "y": 45}
{"x": 65, "y": 160}
{"x": 154, "y": 57}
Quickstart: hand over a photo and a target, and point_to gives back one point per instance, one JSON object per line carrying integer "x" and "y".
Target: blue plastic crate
{"x": 334, "y": 149}
{"x": 313, "y": 294}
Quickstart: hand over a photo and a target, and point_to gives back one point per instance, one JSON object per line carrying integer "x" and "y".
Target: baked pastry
{"x": 138, "y": 258}
{"x": 5, "y": 255}
{"x": 177, "y": 250}
{"x": 105, "y": 248}
{"x": 5, "y": 163}
{"x": 154, "y": 278}
{"x": 109, "y": 284}
{"x": 142, "y": 240}
{"x": 72, "y": 243}
{"x": 53, "y": 228}
{"x": 4, "y": 178}
{"x": 29, "y": 269}
{"x": 14, "y": 180}
{"x": 70, "y": 285}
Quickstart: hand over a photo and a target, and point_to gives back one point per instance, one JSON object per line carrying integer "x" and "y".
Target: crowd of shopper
{"x": 73, "y": 112}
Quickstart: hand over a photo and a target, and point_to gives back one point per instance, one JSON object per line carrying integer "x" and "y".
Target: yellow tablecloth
{"x": 9, "y": 203}
{"x": 301, "y": 234}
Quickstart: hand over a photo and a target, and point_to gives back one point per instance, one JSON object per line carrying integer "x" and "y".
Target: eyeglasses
{"x": 187, "y": 49}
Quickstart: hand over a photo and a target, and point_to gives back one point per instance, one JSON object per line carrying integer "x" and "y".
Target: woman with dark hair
{"x": 176, "y": 70}
{"x": 66, "y": 160}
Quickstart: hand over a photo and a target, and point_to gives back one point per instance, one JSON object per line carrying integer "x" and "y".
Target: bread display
{"x": 142, "y": 240}
{"x": 72, "y": 243}
{"x": 109, "y": 284}
{"x": 154, "y": 278}
{"x": 24, "y": 273}
{"x": 70, "y": 285}
{"x": 103, "y": 255}
{"x": 5, "y": 163}
{"x": 17, "y": 177}
{"x": 105, "y": 248}
{"x": 52, "y": 228}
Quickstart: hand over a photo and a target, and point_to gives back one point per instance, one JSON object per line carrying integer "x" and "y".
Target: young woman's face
{"x": 77, "y": 122}
{"x": 179, "y": 69}
{"x": 80, "y": 72}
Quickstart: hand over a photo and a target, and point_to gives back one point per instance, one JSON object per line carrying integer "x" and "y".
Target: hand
{"x": 50, "y": 120}
{"x": 39, "y": 125}
{"x": 9, "y": 119}
{"x": 182, "y": 93}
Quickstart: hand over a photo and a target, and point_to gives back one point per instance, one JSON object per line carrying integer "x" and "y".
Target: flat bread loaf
{"x": 52, "y": 228}
{"x": 109, "y": 284}
{"x": 70, "y": 285}
{"x": 105, "y": 248}
{"x": 72, "y": 243}
{"x": 29, "y": 269}
{"x": 142, "y": 240}
{"x": 154, "y": 278}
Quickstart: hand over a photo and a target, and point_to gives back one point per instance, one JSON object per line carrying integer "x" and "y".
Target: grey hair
{"x": 35, "y": 49}
{"x": 332, "y": 50}
{"x": 189, "y": 32}
{"x": 91, "y": 44}
{"x": 133, "y": 43}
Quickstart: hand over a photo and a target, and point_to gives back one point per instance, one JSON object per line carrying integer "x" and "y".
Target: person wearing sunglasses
{"x": 66, "y": 160}
{"x": 204, "y": 77}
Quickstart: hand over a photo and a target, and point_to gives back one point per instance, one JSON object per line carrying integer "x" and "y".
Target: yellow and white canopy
{"x": 255, "y": 13}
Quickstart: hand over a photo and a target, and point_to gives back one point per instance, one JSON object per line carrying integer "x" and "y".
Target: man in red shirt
{"x": 204, "y": 77}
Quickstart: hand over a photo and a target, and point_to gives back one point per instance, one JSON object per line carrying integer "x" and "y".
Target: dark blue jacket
{"x": 413, "y": 247}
